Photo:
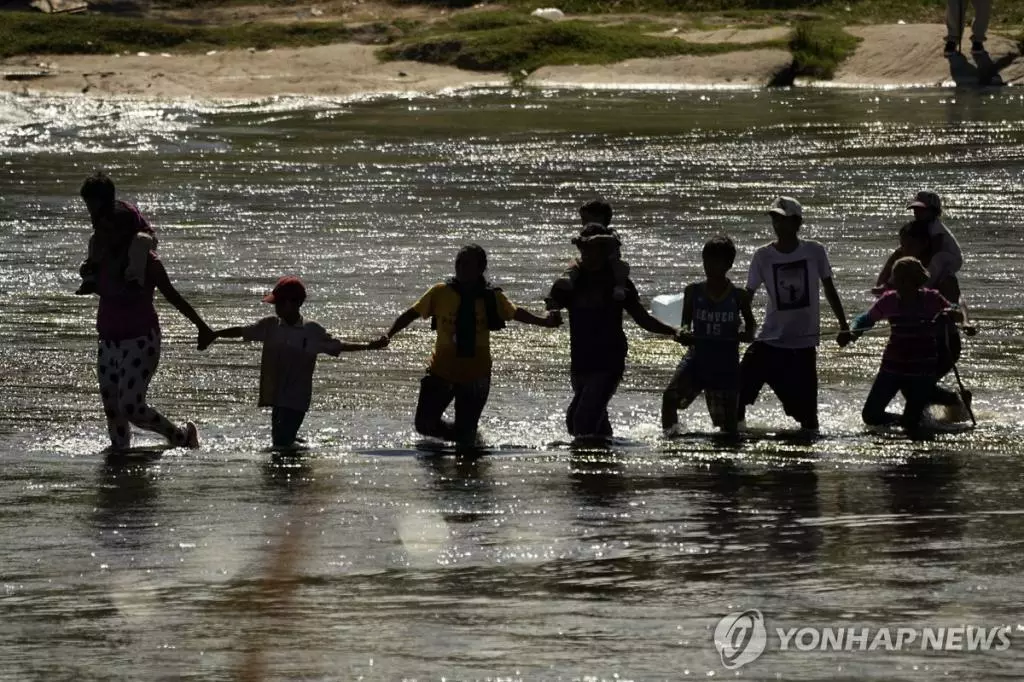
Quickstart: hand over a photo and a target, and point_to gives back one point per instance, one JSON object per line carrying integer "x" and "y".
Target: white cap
{"x": 787, "y": 206}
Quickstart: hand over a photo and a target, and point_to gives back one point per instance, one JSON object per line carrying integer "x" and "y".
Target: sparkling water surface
{"x": 367, "y": 559}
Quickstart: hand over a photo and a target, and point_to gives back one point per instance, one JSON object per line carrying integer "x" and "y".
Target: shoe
{"x": 977, "y": 47}
{"x": 950, "y": 49}
{"x": 191, "y": 436}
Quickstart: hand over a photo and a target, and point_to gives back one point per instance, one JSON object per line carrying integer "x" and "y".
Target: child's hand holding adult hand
{"x": 684, "y": 337}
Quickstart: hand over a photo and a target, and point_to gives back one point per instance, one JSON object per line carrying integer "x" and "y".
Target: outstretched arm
{"x": 861, "y": 324}
{"x": 336, "y": 347}
{"x": 647, "y": 321}
{"x": 256, "y": 332}
{"x": 403, "y": 321}
{"x": 837, "y": 307}
{"x": 159, "y": 277}
{"x": 553, "y": 318}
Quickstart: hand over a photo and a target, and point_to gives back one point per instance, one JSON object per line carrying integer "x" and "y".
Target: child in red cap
{"x": 290, "y": 347}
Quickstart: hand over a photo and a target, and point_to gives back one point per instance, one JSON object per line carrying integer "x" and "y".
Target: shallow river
{"x": 367, "y": 559}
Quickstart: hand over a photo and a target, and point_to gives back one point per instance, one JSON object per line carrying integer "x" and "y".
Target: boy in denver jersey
{"x": 712, "y": 311}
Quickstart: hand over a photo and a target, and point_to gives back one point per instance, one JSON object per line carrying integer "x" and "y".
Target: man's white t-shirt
{"x": 792, "y": 281}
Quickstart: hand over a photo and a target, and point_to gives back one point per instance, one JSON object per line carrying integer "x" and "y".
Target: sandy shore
{"x": 889, "y": 56}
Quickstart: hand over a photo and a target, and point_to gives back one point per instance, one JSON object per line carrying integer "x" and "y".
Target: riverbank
{"x": 412, "y": 50}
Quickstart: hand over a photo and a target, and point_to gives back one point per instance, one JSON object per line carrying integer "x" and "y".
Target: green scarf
{"x": 465, "y": 318}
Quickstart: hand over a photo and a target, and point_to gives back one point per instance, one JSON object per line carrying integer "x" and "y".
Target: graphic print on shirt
{"x": 792, "y": 288}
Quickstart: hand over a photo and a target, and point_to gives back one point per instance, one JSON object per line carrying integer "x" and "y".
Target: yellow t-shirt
{"x": 442, "y": 302}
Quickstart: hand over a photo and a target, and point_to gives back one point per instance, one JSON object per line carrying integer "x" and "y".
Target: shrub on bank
{"x": 536, "y": 43}
{"x": 819, "y": 47}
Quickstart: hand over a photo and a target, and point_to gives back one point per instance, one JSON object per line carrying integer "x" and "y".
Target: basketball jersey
{"x": 716, "y": 328}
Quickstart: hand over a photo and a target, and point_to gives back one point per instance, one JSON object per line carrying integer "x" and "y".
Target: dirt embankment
{"x": 888, "y": 56}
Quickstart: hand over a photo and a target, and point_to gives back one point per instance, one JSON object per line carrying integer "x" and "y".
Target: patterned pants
{"x": 124, "y": 369}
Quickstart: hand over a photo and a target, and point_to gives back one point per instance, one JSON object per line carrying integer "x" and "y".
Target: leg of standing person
{"x": 793, "y": 377}
{"x": 284, "y": 426}
{"x": 954, "y": 24}
{"x": 723, "y": 406}
{"x": 470, "y": 400}
{"x": 436, "y": 395}
{"x": 883, "y": 390}
{"x": 588, "y": 411}
{"x": 753, "y": 375}
{"x": 108, "y": 372}
{"x": 140, "y": 358}
{"x": 982, "y": 16}
{"x": 680, "y": 393}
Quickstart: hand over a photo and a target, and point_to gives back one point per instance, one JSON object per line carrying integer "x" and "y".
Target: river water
{"x": 365, "y": 558}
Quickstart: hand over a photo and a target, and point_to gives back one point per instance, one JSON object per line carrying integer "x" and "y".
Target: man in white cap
{"x": 785, "y": 356}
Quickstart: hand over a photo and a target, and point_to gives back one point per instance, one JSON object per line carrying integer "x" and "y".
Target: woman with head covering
{"x": 129, "y": 344}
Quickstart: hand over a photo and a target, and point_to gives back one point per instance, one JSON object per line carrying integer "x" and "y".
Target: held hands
{"x": 683, "y": 337}
{"x": 554, "y": 319}
{"x": 844, "y": 338}
{"x": 381, "y": 342}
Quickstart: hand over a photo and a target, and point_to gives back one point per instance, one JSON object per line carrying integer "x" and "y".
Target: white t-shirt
{"x": 792, "y": 281}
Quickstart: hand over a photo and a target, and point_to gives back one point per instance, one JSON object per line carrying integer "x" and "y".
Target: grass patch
{"x": 537, "y": 43}
{"x": 25, "y": 33}
{"x": 819, "y": 47}
{"x": 867, "y": 11}
{"x": 487, "y": 20}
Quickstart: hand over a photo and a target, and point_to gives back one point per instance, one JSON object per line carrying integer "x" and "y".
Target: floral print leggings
{"x": 124, "y": 369}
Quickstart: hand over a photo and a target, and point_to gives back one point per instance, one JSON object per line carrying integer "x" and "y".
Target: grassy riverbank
{"x": 484, "y": 38}
{"x": 23, "y": 33}
{"x": 510, "y": 42}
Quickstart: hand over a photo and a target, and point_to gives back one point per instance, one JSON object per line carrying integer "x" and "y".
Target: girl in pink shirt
{"x": 910, "y": 361}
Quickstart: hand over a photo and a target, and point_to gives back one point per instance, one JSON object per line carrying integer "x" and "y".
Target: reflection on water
{"x": 365, "y": 556}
